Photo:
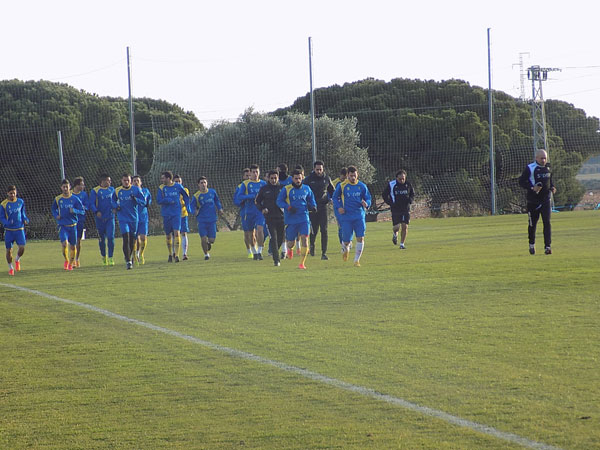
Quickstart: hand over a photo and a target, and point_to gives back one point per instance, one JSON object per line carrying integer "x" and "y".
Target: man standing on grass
{"x": 65, "y": 209}
{"x": 297, "y": 200}
{"x": 14, "y": 219}
{"x": 79, "y": 192}
{"x": 185, "y": 226}
{"x": 142, "y": 225}
{"x": 266, "y": 202}
{"x": 169, "y": 198}
{"x": 399, "y": 194}
{"x": 253, "y": 221}
{"x": 537, "y": 179}
{"x": 125, "y": 201}
{"x": 351, "y": 198}
{"x": 322, "y": 188}
{"x": 101, "y": 206}
{"x": 338, "y": 180}
{"x": 204, "y": 205}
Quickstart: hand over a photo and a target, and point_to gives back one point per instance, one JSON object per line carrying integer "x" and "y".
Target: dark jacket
{"x": 533, "y": 175}
{"x": 398, "y": 196}
{"x": 266, "y": 198}
{"x": 321, "y": 186}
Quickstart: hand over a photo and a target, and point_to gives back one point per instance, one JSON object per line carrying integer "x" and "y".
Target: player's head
{"x": 541, "y": 157}
{"x": 343, "y": 173}
{"x": 79, "y": 183}
{"x": 297, "y": 176}
{"x": 65, "y": 187}
{"x": 136, "y": 180}
{"x": 300, "y": 168}
{"x": 11, "y": 192}
{"x": 273, "y": 177}
{"x": 126, "y": 180}
{"x": 352, "y": 174}
{"x": 254, "y": 172}
{"x": 177, "y": 178}
{"x": 401, "y": 176}
{"x": 319, "y": 167}
{"x": 283, "y": 170}
{"x": 202, "y": 183}
{"x": 246, "y": 173}
{"x": 105, "y": 180}
{"x": 166, "y": 177}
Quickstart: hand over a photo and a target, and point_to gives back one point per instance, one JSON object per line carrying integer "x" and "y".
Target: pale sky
{"x": 217, "y": 58}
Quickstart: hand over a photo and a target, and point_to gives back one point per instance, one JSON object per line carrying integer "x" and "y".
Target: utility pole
{"x": 537, "y": 75}
{"x": 522, "y": 96}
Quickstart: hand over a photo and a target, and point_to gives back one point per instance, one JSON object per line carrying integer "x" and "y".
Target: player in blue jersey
{"x": 14, "y": 219}
{"x": 338, "y": 180}
{"x": 142, "y": 226}
{"x": 66, "y": 208}
{"x": 297, "y": 200}
{"x": 204, "y": 205}
{"x": 101, "y": 206}
{"x": 253, "y": 221}
{"x": 185, "y": 226}
{"x": 79, "y": 192}
{"x": 351, "y": 198}
{"x": 125, "y": 201}
{"x": 169, "y": 196}
{"x": 250, "y": 243}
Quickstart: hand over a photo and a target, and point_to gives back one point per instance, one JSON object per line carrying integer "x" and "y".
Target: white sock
{"x": 260, "y": 249}
{"x": 249, "y": 250}
{"x": 359, "y": 250}
{"x": 253, "y": 250}
{"x": 10, "y": 266}
{"x": 284, "y": 247}
{"x": 184, "y": 244}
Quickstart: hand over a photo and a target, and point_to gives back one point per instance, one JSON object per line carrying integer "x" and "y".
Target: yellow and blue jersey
{"x": 100, "y": 199}
{"x": 206, "y": 204}
{"x": 85, "y": 201}
{"x": 142, "y": 209}
{"x": 245, "y": 194}
{"x": 184, "y": 211}
{"x": 125, "y": 201}
{"x": 169, "y": 199}
{"x": 67, "y": 209}
{"x": 350, "y": 196}
{"x": 12, "y": 214}
{"x": 300, "y": 199}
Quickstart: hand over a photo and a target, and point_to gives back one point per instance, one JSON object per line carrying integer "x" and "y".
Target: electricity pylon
{"x": 539, "y": 74}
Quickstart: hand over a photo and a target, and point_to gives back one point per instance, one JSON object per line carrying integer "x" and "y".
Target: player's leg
{"x": 533, "y": 215}
{"x": 359, "y": 227}
{"x": 21, "y": 241}
{"x": 545, "y": 212}
{"x": 322, "y": 212}
{"x": 9, "y": 258}
{"x": 101, "y": 229}
{"x": 404, "y": 221}
{"x": 314, "y": 229}
{"x": 260, "y": 240}
{"x": 110, "y": 240}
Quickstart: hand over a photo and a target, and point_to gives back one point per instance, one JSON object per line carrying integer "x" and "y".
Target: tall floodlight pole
{"x": 61, "y": 159}
{"x": 312, "y": 102}
{"x": 131, "y": 121}
{"x": 491, "y": 124}
{"x": 537, "y": 75}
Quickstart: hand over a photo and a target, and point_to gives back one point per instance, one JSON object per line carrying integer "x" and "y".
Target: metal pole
{"x": 312, "y": 102}
{"x": 131, "y": 120}
{"x": 60, "y": 156}
{"x": 491, "y": 124}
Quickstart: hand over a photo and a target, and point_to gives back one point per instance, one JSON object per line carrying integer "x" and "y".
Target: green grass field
{"x": 464, "y": 321}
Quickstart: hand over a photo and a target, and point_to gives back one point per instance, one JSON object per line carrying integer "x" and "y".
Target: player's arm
{"x": 24, "y": 215}
{"x": 524, "y": 181}
{"x": 337, "y": 198}
{"x": 78, "y": 207}
{"x": 259, "y": 200}
{"x": 311, "y": 203}
{"x": 218, "y": 204}
{"x": 55, "y": 209}
{"x": 366, "y": 196}
{"x": 386, "y": 194}
{"x": 281, "y": 199}
{"x": 411, "y": 195}
{"x": 3, "y": 219}
{"x": 237, "y": 195}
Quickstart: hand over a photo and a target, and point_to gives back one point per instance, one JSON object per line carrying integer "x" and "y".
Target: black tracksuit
{"x": 322, "y": 189}
{"x": 266, "y": 199}
{"x": 538, "y": 204}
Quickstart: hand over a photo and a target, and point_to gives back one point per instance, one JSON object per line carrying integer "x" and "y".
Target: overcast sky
{"x": 217, "y": 58}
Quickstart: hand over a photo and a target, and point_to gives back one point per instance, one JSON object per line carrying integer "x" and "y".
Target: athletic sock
{"x": 184, "y": 244}
{"x": 260, "y": 249}
{"x": 177, "y": 246}
{"x": 358, "y": 251}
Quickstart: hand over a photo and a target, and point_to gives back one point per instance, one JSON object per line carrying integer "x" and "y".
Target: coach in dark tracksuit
{"x": 537, "y": 179}
{"x": 322, "y": 189}
{"x": 266, "y": 203}
{"x": 399, "y": 194}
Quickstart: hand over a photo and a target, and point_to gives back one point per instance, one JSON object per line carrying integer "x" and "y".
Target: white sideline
{"x": 367, "y": 392}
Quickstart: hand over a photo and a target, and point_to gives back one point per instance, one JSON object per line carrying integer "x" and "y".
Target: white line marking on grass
{"x": 364, "y": 391}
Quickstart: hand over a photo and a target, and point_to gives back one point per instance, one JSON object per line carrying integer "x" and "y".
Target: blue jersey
{"x": 125, "y": 201}
{"x": 245, "y": 194}
{"x": 301, "y": 199}
{"x": 169, "y": 199}
{"x": 142, "y": 209}
{"x": 12, "y": 214}
{"x": 101, "y": 200}
{"x": 85, "y": 201}
{"x": 67, "y": 209}
{"x": 287, "y": 181}
{"x": 350, "y": 196}
{"x": 204, "y": 205}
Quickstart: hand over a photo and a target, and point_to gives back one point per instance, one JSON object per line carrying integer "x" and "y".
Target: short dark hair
{"x": 12, "y": 187}
{"x": 200, "y": 179}
{"x": 177, "y": 176}
{"x": 77, "y": 181}
{"x": 400, "y": 172}
{"x": 283, "y": 167}
{"x": 167, "y": 174}
{"x": 318, "y": 162}
{"x": 297, "y": 172}
{"x": 352, "y": 169}
{"x": 65, "y": 181}
{"x": 272, "y": 172}
{"x": 136, "y": 176}
{"x": 300, "y": 168}
{"x": 246, "y": 169}
{"x": 344, "y": 171}
{"x": 104, "y": 176}
{"x": 254, "y": 166}
{"x": 126, "y": 175}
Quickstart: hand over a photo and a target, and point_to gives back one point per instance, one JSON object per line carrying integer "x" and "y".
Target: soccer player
{"x": 351, "y": 198}
{"x": 65, "y": 209}
{"x": 125, "y": 201}
{"x": 338, "y": 180}
{"x": 322, "y": 188}
{"x": 399, "y": 194}
{"x": 284, "y": 178}
{"x": 169, "y": 198}
{"x": 253, "y": 221}
{"x": 204, "y": 205}
{"x": 248, "y": 243}
{"x": 142, "y": 225}
{"x": 297, "y": 200}
{"x": 79, "y": 192}
{"x": 537, "y": 179}
{"x": 14, "y": 219}
{"x": 266, "y": 202}
{"x": 185, "y": 226}
{"x": 101, "y": 206}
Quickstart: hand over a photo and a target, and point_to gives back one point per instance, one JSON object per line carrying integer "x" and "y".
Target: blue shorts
{"x": 171, "y": 223}
{"x": 358, "y": 226}
{"x": 80, "y": 227}
{"x": 185, "y": 227}
{"x": 128, "y": 227}
{"x": 142, "y": 228}
{"x": 251, "y": 221}
{"x": 106, "y": 228}
{"x": 11, "y": 236}
{"x": 294, "y": 229}
{"x": 208, "y": 229}
{"x": 68, "y": 234}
